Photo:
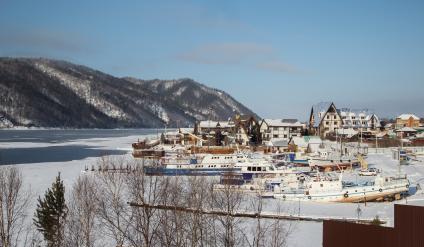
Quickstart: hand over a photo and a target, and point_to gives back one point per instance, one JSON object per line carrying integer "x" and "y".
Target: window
{"x": 327, "y": 123}
{"x": 276, "y": 128}
{"x": 275, "y": 136}
{"x": 328, "y": 117}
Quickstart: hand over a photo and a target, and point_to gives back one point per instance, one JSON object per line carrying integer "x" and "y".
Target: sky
{"x": 276, "y": 57}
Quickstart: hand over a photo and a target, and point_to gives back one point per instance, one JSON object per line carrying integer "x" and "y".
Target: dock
{"x": 251, "y": 214}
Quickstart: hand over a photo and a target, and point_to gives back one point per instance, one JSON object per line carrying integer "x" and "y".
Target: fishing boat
{"x": 331, "y": 189}
{"x": 198, "y": 164}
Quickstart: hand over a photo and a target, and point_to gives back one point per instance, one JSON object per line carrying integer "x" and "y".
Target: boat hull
{"x": 164, "y": 171}
{"x": 348, "y": 196}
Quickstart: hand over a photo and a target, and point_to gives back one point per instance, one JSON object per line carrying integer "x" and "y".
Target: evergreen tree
{"x": 51, "y": 213}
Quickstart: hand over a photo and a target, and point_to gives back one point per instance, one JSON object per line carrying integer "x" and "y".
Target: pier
{"x": 251, "y": 214}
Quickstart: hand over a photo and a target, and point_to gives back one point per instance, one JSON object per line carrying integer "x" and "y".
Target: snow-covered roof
{"x": 208, "y": 124}
{"x": 366, "y": 113}
{"x": 277, "y": 142}
{"x": 303, "y": 141}
{"x": 406, "y": 129}
{"x": 282, "y": 122}
{"x": 408, "y": 116}
{"x": 321, "y": 107}
{"x": 215, "y": 124}
{"x": 226, "y": 124}
{"x": 187, "y": 130}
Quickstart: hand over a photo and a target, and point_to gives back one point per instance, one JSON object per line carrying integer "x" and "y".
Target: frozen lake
{"x": 41, "y": 154}
{"x": 40, "y": 146}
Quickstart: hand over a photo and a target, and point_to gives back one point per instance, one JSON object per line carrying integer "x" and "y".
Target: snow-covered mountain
{"x": 51, "y": 93}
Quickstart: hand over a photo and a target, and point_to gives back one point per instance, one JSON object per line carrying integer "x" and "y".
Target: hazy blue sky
{"x": 276, "y": 57}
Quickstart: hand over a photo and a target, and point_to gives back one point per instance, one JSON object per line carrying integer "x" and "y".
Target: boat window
{"x": 259, "y": 169}
{"x": 254, "y": 169}
{"x": 321, "y": 185}
{"x": 249, "y": 168}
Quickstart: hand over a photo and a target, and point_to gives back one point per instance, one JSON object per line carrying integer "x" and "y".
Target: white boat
{"x": 200, "y": 164}
{"x": 327, "y": 189}
{"x": 332, "y": 162}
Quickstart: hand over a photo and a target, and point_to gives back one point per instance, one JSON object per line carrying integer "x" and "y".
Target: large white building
{"x": 363, "y": 120}
{"x": 280, "y": 129}
{"x": 325, "y": 119}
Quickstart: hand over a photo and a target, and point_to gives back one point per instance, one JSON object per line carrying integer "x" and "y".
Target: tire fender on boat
{"x": 381, "y": 190}
{"x": 407, "y": 186}
{"x": 346, "y": 195}
{"x": 309, "y": 197}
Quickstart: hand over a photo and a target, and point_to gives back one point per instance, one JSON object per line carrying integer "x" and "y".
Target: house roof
{"x": 215, "y": 124}
{"x": 406, "y": 129}
{"x": 290, "y": 120}
{"x": 282, "y": 123}
{"x": 278, "y": 142}
{"x": 408, "y": 116}
{"x": 303, "y": 141}
{"x": 318, "y": 108}
{"x": 186, "y": 130}
{"x": 208, "y": 124}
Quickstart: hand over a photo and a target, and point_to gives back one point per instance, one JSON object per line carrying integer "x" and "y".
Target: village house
{"x": 405, "y": 132}
{"x": 407, "y": 120}
{"x": 324, "y": 119}
{"x": 189, "y": 138}
{"x": 212, "y": 127}
{"x": 216, "y": 133}
{"x": 277, "y": 145}
{"x": 280, "y": 129}
{"x": 247, "y": 130}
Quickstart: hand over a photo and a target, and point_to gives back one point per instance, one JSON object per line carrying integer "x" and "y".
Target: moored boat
{"x": 326, "y": 189}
